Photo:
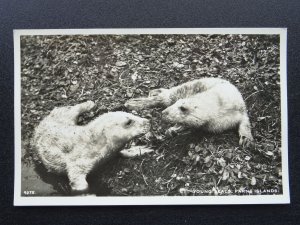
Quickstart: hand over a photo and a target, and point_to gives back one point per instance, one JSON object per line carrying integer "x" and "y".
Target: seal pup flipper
{"x": 83, "y": 107}
{"x": 78, "y": 109}
{"x": 145, "y": 103}
{"x": 175, "y": 130}
{"x": 69, "y": 114}
{"x": 77, "y": 180}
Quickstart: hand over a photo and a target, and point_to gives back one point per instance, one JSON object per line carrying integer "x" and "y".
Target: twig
{"x": 253, "y": 94}
{"x": 141, "y": 171}
{"x": 168, "y": 181}
{"x": 120, "y": 77}
{"x": 81, "y": 92}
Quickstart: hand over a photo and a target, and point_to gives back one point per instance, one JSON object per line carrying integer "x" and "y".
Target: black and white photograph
{"x": 150, "y": 116}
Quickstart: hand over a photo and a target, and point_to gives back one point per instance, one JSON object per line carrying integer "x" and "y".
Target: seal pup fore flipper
{"x": 246, "y": 138}
{"x": 79, "y": 109}
{"x": 157, "y": 98}
{"x": 145, "y": 103}
{"x": 82, "y": 108}
{"x": 68, "y": 115}
{"x": 175, "y": 130}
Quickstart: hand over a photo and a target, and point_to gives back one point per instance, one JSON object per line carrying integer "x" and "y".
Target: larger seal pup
{"x": 213, "y": 104}
{"x": 65, "y": 147}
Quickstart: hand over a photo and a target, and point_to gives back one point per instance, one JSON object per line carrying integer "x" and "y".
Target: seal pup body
{"x": 65, "y": 147}
{"x": 213, "y": 104}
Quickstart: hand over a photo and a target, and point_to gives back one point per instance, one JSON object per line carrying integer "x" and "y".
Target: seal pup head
{"x": 120, "y": 127}
{"x": 184, "y": 112}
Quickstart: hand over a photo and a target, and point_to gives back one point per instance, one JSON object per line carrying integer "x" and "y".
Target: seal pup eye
{"x": 129, "y": 123}
{"x": 183, "y": 109}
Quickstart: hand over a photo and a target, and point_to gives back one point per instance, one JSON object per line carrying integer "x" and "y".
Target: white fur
{"x": 213, "y": 104}
{"x": 65, "y": 147}
{"x": 217, "y": 109}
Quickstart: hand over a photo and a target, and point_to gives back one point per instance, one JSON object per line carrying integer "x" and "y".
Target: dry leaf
{"x": 225, "y": 175}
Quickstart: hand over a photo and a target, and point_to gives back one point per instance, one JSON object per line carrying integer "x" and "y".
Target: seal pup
{"x": 212, "y": 104}
{"x": 65, "y": 147}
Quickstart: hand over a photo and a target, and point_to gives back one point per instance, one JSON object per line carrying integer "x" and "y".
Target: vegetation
{"x": 110, "y": 69}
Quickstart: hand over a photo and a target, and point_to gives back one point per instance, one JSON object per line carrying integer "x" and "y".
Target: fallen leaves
{"x": 65, "y": 70}
{"x": 120, "y": 63}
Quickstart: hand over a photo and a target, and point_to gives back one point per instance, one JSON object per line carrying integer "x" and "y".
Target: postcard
{"x": 193, "y": 116}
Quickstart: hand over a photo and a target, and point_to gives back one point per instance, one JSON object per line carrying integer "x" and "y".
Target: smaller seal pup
{"x": 65, "y": 147}
{"x": 212, "y": 104}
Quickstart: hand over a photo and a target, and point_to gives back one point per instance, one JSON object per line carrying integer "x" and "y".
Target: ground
{"x": 110, "y": 69}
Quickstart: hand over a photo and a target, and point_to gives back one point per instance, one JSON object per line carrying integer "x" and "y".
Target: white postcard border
{"x": 153, "y": 200}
